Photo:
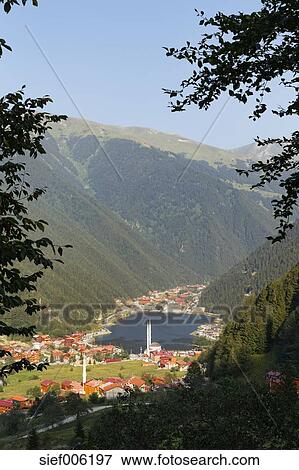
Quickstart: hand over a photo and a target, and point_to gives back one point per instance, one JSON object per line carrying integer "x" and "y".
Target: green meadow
{"x": 18, "y": 384}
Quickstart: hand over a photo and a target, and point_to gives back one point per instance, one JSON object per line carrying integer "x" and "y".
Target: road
{"x": 67, "y": 420}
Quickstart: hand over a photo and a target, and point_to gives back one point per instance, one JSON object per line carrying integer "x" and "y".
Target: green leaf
{"x": 7, "y": 7}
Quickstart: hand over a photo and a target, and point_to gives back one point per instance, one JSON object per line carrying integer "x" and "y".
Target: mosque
{"x": 151, "y": 347}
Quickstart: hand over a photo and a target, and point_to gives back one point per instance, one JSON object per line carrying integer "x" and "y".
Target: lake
{"x": 171, "y": 330}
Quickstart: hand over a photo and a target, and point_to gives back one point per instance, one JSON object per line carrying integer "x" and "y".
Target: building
{"x": 136, "y": 382}
{"x": 42, "y": 338}
{"x": 155, "y": 347}
{"x": 57, "y": 355}
{"x": 114, "y": 380}
{"x": 6, "y": 406}
{"x": 68, "y": 341}
{"x": 46, "y": 385}
{"x": 296, "y": 384}
{"x": 72, "y": 386}
{"x": 92, "y": 386}
{"x": 159, "y": 382}
{"x": 21, "y": 402}
{"x": 112, "y": 359}
{"x": 112, "y": 390}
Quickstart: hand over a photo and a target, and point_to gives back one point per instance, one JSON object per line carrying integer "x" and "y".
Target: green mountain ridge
{"x": 139, "y": 228}
{"x": 265, "y": 337}
{"x": 250, "y": 275}
{"x": 183, "y": 207}
{"x": 147, "y": 137}
{"x": 109, "y": 259}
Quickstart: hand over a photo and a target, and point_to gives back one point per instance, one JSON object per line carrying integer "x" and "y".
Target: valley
{"x": 201, "y": 221}
{"x": 144, "y": 216}
{"x": 149, "y": 234}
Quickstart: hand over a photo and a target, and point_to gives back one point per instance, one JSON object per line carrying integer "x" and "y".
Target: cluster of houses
{"x": 171, "y": 360}
{"x": 75, "y": 349}
{"x": 78, "y": 348}
{"x": 65, "y": 350}
{"x": 109, "y": 388}
{"x": 17, "y": 402}
{"x": 181, "y": 298}
{"x": 210, "y": 331}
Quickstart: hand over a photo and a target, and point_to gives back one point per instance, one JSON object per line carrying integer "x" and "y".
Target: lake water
{"x": 172, "y": 331}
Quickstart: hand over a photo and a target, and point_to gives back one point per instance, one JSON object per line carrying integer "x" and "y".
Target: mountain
{"x": 182, "y": 206}
{"x": 108, "y": 258}
{"x": 264, "y": 338}
{"x": 250, "y": 275}
{"x": 146, "y": 137}
{"x": 255, "y": 152}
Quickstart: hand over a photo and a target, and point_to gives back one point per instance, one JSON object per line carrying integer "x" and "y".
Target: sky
{"x": 108, "y": 64}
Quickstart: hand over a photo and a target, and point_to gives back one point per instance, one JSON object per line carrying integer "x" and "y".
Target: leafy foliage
{"x": 23, "y": 124}
{"x": 288, "y": 343}
{"x": 74, "y": 405}
{"x": 78, "y": 440}
{"x": 49, "y": 408}
{"x": 195, "y": 376}
{"x": 7, "y": 6}
{"x": 32, "y": 440}
{"x": 12, "y": 423}
{"x": 227, "y": 416}
{"x": 244, "y": 54}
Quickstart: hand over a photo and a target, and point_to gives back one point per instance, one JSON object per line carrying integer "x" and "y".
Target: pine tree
{"x": 32, "y": 440}
{"x": 78, "y": 440}
{"x": 79, "y": 430}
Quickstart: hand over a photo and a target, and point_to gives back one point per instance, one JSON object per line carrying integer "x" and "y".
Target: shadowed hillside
{"x": 254, "y": 272}
{"x": 190, "y": 214}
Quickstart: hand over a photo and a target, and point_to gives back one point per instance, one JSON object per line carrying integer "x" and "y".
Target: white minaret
{"x": 148, "y": 336}
{"x": 84, "y": 370}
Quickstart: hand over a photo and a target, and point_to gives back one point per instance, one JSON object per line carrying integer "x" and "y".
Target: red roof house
{"x": 6, "y": 406}
{"x": 46, "y": 385}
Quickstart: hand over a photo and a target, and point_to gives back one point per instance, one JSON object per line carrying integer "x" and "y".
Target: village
{"x": 79, "y": 354}
{"x": 76, "y": 352}
{"x": 180, "y": 299}
{"x": 210, "y": 331}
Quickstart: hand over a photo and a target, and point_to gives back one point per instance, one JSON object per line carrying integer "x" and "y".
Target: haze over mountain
{"x": 256, "y": 152}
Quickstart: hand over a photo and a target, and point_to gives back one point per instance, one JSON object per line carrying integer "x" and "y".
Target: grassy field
{"x": 18, "y": 384}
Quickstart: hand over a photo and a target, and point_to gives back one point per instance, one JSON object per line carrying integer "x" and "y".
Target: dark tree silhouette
{"x": 23, "y": 125}
{"x": 32, "y": 440}
{"x": 243, "y": 55}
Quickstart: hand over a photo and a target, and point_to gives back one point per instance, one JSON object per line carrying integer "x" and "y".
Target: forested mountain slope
{"x": 269, "y": 327}
{"x": 173, "y": 143}
{"x": 190, "y": 213}
{"x": 254, "y": 272}
{"x": 108, "y": 258}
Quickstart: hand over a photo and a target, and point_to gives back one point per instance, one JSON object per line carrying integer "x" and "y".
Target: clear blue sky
{"x": 110, "y": 57}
